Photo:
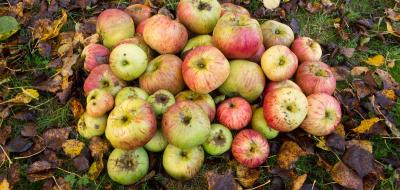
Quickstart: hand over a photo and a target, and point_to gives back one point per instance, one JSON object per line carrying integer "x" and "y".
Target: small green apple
{"x": 259, "y": 124}
{"x": 219, "y": 141}
{"x": 161, "y": 100}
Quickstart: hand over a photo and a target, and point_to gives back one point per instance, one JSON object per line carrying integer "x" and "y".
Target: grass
{"x": 319, "y": 175}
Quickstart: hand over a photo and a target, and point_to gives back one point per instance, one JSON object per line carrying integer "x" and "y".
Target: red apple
{"x": 93, "y": 55}
{"x": 237, "y": 36}
{"x": 285, "y": 109}
{"x": 279, "y": 63}
{"x": 204, "y": 69}
{"x": 250, "y": 148}
{"x": 139, "y": 41}
{"x": 99, "y": 102}
{"x": 163, "y": 72}
{"x": 281, "y": 84}
{"x": 114, "y": 25}
{"x": 235, "y": 113}
{"x": 276, "y": 33}
{"x": 164, "y": 34}
{"x": 232, "y": 8}
{"x": 138, "y": 12}
{"x": 324, "y": 114}
{"x": 140, "y": 27}
{"x": 315, "y": 77}
{"x": 205, "y": 101}
{"x": 306, "y": 49}
{"x": 257, "y": 56}
{"x": 102, "y": 77}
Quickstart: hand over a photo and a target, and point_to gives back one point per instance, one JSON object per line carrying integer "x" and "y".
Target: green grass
{"x": 319, "y": 175}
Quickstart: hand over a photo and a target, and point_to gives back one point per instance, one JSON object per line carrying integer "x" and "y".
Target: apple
{"x": 128, "y": 61}
{"x": 306, "y": 49}
{"x": 93, "y": 55}
{"x": 127, "y": 166}
{"x": 164, "y": 34}
{"x": 139, "y": 41}
{"x": 205, "y": 101}
{"x": 232, "y": 8}
{"x": 281, "y": 84}
{"x": 246, "y": 79}
{"x": 131, "y": 124}
{"x": 219, "y": 141}
{"x": 315, "y": 77}
{"x": 157, "y": 143}
{"x": 138, "y": 12}
{"x": 234, "y": 113}
{"x": 204, "y": 69}
{"x": 185, "y": 125}
{"x": 250, "y": 148}
{"x": 99, "y": 102}
{"x": 259, "y": 124}
{"x": 140, "y": 27}
{"x": 114, "y": 25}
{"x": 201, "y": 40}
{"x": 163, "y": 72}
{"x": 276, "y": 33}
{"x": 238, "y": 36}
{"x": 130, "y": 92}
{"x": 279, "y": 63}
{"x": 271, "y": 4}
{"x": 183, "y": 164}
{"x": 161, "y": 100}
{"x": 199, "y": 16}
{"x": 257, "y": 56}
{"x": 324, "y": 114}
{"x": 285, "y": 109}
{"x": 102, "y": 77}
{"x": 89, "y": 126}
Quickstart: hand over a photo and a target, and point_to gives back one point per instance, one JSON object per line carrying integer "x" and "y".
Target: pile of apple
{"x": 171, "y": 109}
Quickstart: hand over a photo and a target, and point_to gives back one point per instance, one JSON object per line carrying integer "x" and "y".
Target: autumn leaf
{"x": 391, "y": 94}
{"x": 391, "y": 30}
{"x": 96, "y": 168}
{"x": 377, "y": 60}
{"x": 365, "y": 125}
{"x": 288, "y": 154}
{"x": 364, "y": 144}
{"x": 40, "y": 170}
{"x": 359, "y": 70}
{"x": 24, "y": 97}
{"x": 73, "y": 147}
{"x": 322, "y": 144}
{"x": 4, "y": 185}
{"x": 220, "y": 181}
{"x": 55, "y": 28}
{"x": 98, "y": 146}
{"x": 76, "y": 108}
{"x": 345, "y": 177}
{"x": 247, "y": 176}
{"x": 298, "y": 182}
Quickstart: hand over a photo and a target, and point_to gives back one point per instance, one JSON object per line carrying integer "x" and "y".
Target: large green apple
{"x": 219, "y": 141}
{"x": 259, "y": 124}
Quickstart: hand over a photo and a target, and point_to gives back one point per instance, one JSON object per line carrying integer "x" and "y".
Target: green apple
{"x": 157, "y": 143}
{"x": 259, "y": 124}
{"x": 161, "y": 100}
{"x": 89, "y": 126}
{"x": 219, "y": 141}
{"x": 200, "y": 40}
{"x": 130, "y": 92}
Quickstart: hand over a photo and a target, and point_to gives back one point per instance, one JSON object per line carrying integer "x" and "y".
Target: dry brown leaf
{"x": 359, "y": 70}
{"x": 54, "y": 138}
{"x": 346, "y": 177}
{"x": 98, "y": 146}
{"x": 377, "y": 60}
{"x": 322, "y": 144}
{"x": 247, "y": 176}
{"x": 40, "y": 170}
{"x": 29, "y": 130}
{"x": 365, "y": 144}
{"x": 288, "y": 154}
{"x": 76, "y": 107}
{"x": 217, "y": 181}
{"x": 5, "y": 134}
{"x": 73, "y": 147}
{"x": 392, "y": 15}
{"x": 96, "y": 168}
{"x": 53, "y": 30}
{"x": 387, "y": 79}
{"x": 359, "y": 160}
{"x": 61, "y": 184}
{"x": 298, "y": 182}
{"x": 340, "y": 130}
{"x": 365, "y": 125}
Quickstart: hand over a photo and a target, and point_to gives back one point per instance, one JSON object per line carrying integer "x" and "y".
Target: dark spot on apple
{"x": 220, "y": 138}
{"x": 124, "y": 54}
{"x": 183, "y": 154}
{"x": 126, "y": 162}
{"x": 186, "y": 119}
{"x": 231, "y": 105}
{"x": 124, "y": 119}
{"x": 93, "y": 97}
{"x": 281, "y": 61}
{"x": 96, "y": 126}
{"x": 105, "y": 84}
{"x": 201, "y": 65}
{"x": 93, "y": 103}
{"x": 277, "y": 31}
{"x": 204, "y": 6}
{"x": 125, "y": 63}
{"x": 162, "y": 98}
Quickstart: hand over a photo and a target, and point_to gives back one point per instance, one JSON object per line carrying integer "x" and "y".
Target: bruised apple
{"x": 182, "y": 164}
{"x": 279, "y": 63}
{"x": 259, "y": 124}
{"x": 232, "y": 8}
{"x": 89, "y": 126}
{"x": 99, "y": 102}
{"x": 102, "y": 77}
{"x": 130, "y": 92}
{"x": 219, "y": 141}
{"x": 306, "y": 49}
{"x": 315, "y": 77}
{"x": 157, "y": 143}
{"x": 163, "y": 72}
{"x": 131, "y": 124}
{"x": 138, "y": 12}
{"x": 234, "y": 113}
{"x": 93, "y": 55}
{"x": 161, "y": 100}
{"x": 205, "y": 101}
{"x": 276, "y": 33}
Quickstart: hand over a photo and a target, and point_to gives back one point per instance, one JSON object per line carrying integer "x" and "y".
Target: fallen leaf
{"x": 346, "y": 177}
{"x": 365, "y": 125}
{"x": 336, "y": 143}
{"x": 288, "y": 154}
{"x": 96, "y": 168}
{"x": 298, "y": 182}
{"x": 392, "y": 15}
{"x": 359, "y": 160}
{"x": 365, "y": 144}
{"x": 13, "y": 174}
{"x": 385, "y": 101}
{"x": 313, "y": 7}
{"x": 340, "y": 130}
{"x": 24, "y": 97}
{"x": 361, "y": 88}
{"x": 51, "y": 156}
{"x": 4, "y": 185}
{"x": 54, "y": 138}
{"x": 47, "y": 32}
{"x": 39, "y": 170}
{"x": 341, "y": 73}
{"x": 76, "y": 108}
{"x": 29, "y": 130}
{"x": 8, "y": 27}
{"x": 98, "y": 146}
{"x": 217, "y": 181}
{"x": 347, "y": 52}
{"x": 322, "y": 144}
{"x": 25, "y": 115}
{"x": 38, "y": 145}
{"x": 19, "y": 144}
{"x": 5, "y": 134}
{"x": 81, "y": 163}
{"x": 73, "y": 147}
{"x": 387, "y": 79}
{"x": 246, "y": 176}
{"x": 377, "y": 60}
{"x": 391, "y": 30}
{"x": 61, "y": 184}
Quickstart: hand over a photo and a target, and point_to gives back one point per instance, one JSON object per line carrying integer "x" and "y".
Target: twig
{"x": 5, "y": 153}
{"x": 390, "y": 137}
{"x": 23, "y": 157}
{"x": 66, "y": 171}
{"x": 313, "y": 184}
{"x": 256, "y": 187}
{"x": 56, "y": 182}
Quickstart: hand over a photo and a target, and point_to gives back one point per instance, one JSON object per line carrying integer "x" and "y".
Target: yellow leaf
{"x": 76, "y": 108}
{"x": 365, "y": 125}
{"x": 391, "y": 94}
{"x": 322, "y": 144}
{"x": 377, "y": 60}
{"x": 31, "y": 93}
{"x": 24, "y": 97}
{"x": 55, "y": 27}
{"x": 96, "y": 168}
{"x": 391, "y": 30}
{"x": 4, "y": 185}
{"x": 340, "y": 130}
{"x": 73, "y": 147}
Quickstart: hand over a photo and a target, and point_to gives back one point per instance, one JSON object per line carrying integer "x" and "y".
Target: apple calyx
{"x": 161, "y": 98}
{"x": 220, "y": 138}
{"x": 322, "y": 73}
{"x": 185, "y": 119}
{"x": 126, "y": 162}
{"x": 291, "y": 108}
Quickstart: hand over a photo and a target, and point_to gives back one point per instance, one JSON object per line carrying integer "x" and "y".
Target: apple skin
{"x": 130, "y": 92}
{"x": 102, "y": 77}
{"x": 271, "y": 4}
{"x": 200, "y": 40}
{"x": 89, "y": 127}
{"x": 315, "y": 77}
{"x": 276, "y": 33}
{"x": 93, "y": 55}
{"x": 257, "y": 56}
{"x": 279, "y": 63}
{"x": 140, "y": 27}
{"x": 232, "y": 8}
{"x": 306, "y": 49}
{"x": 163, "y": 72}
{"x": 234, "y": 113}
{"x": 237, "y": 36}
{"x": 271, "y": 86}
{"x": 138, "y": 12}
{"x": 160, "y": 101}
{"x": 139, "y": 41}
{"x": 199, "y": 16}
{"x": 165, "y": 35}
{"x": 131, "y": 124}
{"x": 99, "y": 102}
{"x": 157, "y": 143}
{"x": 128, "y": 61}
{"x": 285, "y": 109}
{"x": 114, "y": 25}
{"x": 250, "y": 148}
{"x": 245, "y": 79}
{"x": 205, "y": 101}
{"x": 204, "y": 69}
{"x": 183, "y": 164}
{"x": 324, "y": 114}
{"x": 185, "y": 125}
{"x": 219, "y": 141}
{"x": 127, "y": 166}
{"x": 259, "y": 124}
